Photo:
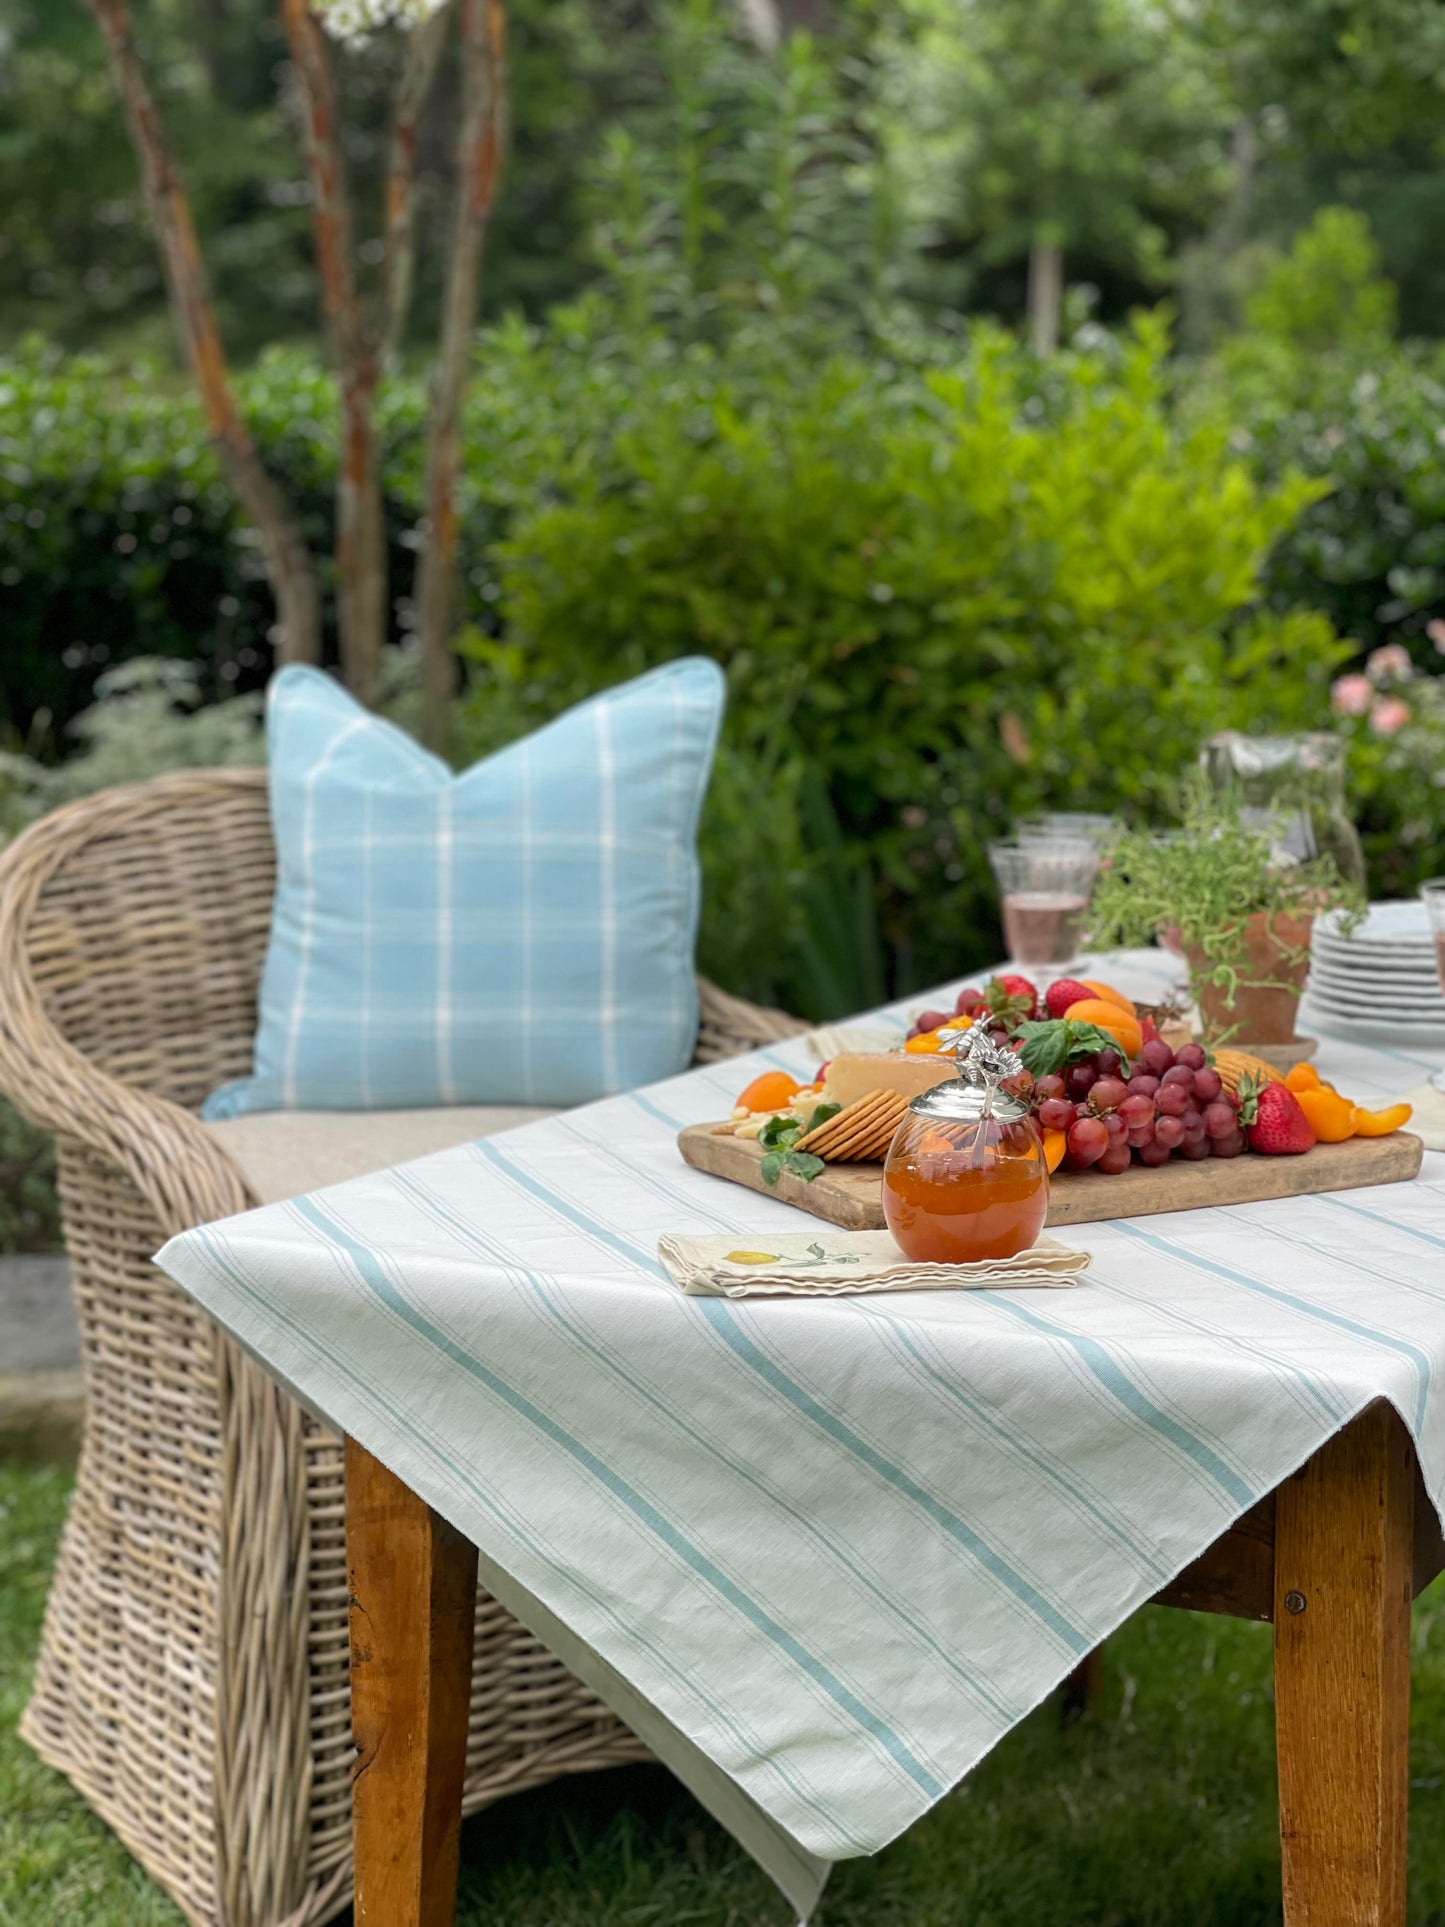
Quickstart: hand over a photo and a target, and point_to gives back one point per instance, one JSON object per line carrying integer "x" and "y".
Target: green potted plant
{"x": 1239, "y": 912}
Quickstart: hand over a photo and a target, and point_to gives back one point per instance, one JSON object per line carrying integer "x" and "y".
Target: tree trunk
{"x": 767, "y": 23}
{"x": 1046, "y": 295}
{"x": 361, "y": 558}
{"x": 289, "y": 563}
{"x": 483, "y": 131}
{"x": 423, "y": 50}
{"x": 761, "y": 23}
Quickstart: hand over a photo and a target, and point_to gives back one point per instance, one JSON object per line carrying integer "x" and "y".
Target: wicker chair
{"x": 192, "y": 1680}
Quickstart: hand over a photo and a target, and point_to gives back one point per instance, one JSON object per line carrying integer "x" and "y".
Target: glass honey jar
{"x": 965, "y": 1177}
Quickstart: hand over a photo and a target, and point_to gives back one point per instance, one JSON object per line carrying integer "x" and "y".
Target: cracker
{"x": 861, "y": 1133}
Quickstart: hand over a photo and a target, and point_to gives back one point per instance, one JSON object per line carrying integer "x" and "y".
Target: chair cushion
{"x": 283, "y": 1154}
{"x": 520, "y": 934}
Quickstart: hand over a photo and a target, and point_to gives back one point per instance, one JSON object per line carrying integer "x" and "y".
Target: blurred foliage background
{"x": 758, "y": 377}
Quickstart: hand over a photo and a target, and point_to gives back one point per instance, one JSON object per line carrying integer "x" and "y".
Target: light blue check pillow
{"x": 520, "y": 934}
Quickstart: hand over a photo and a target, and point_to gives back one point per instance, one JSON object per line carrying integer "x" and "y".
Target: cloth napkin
{"x": 800, "y": 1265}
{"x": 1428, "y": 1123}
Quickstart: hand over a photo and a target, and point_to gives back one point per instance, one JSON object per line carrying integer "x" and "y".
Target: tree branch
{"x": 361, "y": 559}
{"x": 288, "y": 561}
{"x": 423, "y": 50}
{"x": 483, "y": 133}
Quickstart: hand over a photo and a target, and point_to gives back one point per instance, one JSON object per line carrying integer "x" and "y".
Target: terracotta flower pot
{"x": 1272, "y": 976}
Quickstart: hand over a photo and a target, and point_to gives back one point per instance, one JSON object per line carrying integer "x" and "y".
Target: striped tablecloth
{"x": 822, "y": 1555}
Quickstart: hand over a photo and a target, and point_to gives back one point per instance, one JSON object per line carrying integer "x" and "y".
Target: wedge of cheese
{"x": 855, "y": 1073}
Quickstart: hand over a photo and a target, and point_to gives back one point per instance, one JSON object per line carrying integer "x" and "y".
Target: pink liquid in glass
{"x": 1040, "y": 928}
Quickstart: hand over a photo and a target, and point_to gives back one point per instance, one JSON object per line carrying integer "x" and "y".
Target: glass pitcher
{"x": 1296, "y": 782}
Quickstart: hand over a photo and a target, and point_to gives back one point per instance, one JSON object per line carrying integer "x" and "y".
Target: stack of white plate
{"x": 1381, "y": 983}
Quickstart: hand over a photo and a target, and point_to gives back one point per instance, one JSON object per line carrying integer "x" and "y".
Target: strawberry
{"x": 1272, "y": 1120}
{"x": 1068, "y": 990}
{"x": 1012, "y": 1000}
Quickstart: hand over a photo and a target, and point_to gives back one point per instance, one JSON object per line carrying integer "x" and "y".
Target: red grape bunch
{"x": 1169, "y": 1102}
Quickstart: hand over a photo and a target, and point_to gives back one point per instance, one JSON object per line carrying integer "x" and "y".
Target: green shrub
{"x": 941, "y": 598}
{"x": 118, "y": 537}
{"x": 945, "y": 590}
{"x": 1317, "y": 383}
{"x": 1393, "y": 719}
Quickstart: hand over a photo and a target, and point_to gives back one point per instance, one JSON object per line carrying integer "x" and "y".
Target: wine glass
{"x": 1045, "y": 889}
{"x": 1068, "y": 826}
{"x": 1432, "y": 893}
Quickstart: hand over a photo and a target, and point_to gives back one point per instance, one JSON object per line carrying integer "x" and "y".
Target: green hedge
{"x": 944, "y": 592}
{"x": 942, "y": 598}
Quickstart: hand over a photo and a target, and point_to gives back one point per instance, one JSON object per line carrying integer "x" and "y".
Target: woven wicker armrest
{"x": 178, "y": 1168}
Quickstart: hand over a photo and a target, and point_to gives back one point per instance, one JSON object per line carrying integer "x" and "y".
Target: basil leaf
{"x": 822, "y": 1114}
{"x": 772, "y": 1166}
{"x": 803, "y": 1164}
{"x": 1043, "y": 1044}
{"x": 1047, "y": 1044}
{"x": 781, "y": 1130}
{"x": 1088, "y": 1038}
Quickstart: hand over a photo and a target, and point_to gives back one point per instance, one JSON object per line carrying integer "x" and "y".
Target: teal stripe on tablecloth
{"x": 654, "y": 1110}
{"x": 548, "y": 1292}
{"x": 726, "y": 1318}
{"x": 1330, "y": 1408}
{"x": 1358, "y": 1329}
{"x": 650, "y": 1179}
{"x": 1111, "y": 1374}
{"x": 487, "y": 1149}
{"x": 1392, "y": 1224}
{"x": 1331, "y": 1253}
{"x": 1043, "y": 1462}
{"x": 451, "y": 1472}
{"x": 963, "y": 1534}
{"x": 370, "y": 1271}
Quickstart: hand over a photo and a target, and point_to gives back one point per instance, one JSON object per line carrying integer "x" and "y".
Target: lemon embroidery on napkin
{"x": 818, "y": 1257}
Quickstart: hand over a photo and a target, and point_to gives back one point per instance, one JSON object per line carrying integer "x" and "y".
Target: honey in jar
{"x": 965, "y": 1177}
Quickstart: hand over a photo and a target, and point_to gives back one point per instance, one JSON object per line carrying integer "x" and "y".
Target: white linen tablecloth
{"x": 823, "y": 1554}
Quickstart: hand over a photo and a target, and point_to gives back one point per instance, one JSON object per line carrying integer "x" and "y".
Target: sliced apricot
{"x": 1109, "y": 995}
{"x": 1302, "y": 1077}
{"x": 1332, "y": 1117}
{"x": 1055, "y": 1144}
{"x": 773, "y": 1091}
{"x": 1381, "y": 1123}
{"x": 1121, "y": 1026}
{"x": 924, "y": 1045}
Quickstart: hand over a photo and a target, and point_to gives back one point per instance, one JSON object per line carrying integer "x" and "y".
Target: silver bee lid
{"x": 975, "y": 1093}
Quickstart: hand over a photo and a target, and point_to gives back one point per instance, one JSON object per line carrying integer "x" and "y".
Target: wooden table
{"x": 1333, "y": 1557}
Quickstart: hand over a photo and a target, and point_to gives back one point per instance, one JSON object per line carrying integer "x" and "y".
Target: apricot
{"x": 1109, "y": 995}
{"x": 1381, "y": 1123}
{"x": 1121, "y": 1025}
{"x": 1332, "y": 1117}
{"x": 773, "y": 1091}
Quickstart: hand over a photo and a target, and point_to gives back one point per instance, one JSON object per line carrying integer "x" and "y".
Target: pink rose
{"x": 1390, "y": 662}
{"x": 1388, "y": 715}
{"x": 1351, "y": 695}
{"x": 1435, "y": 630}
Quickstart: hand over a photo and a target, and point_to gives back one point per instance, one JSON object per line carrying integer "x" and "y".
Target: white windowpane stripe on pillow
{"x": 519, "y": 934}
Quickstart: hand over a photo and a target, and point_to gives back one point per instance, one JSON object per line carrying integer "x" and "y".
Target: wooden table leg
{"x": 413, "y": 1583}
{"x": 1342, "y": 1569}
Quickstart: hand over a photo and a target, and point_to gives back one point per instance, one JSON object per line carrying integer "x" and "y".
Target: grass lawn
{"x": 1155, "y": 1811}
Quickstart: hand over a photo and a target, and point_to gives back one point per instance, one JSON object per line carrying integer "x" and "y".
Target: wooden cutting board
{"x": 850, "y": 1195}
